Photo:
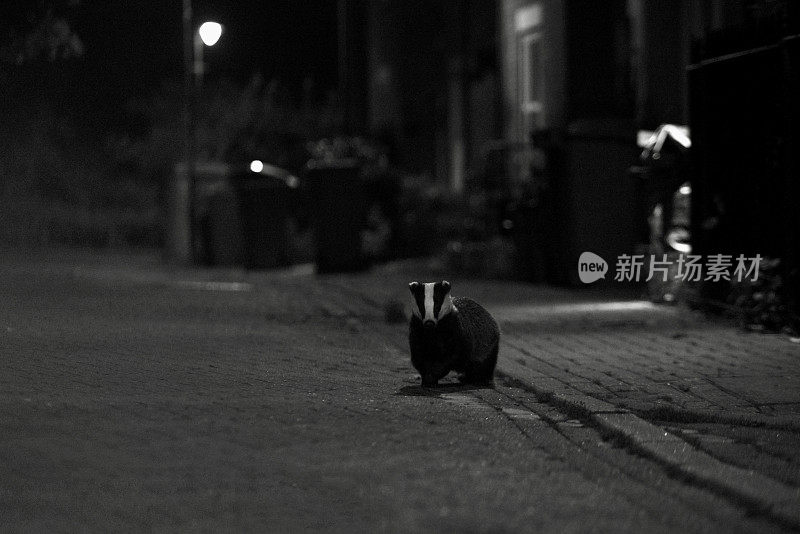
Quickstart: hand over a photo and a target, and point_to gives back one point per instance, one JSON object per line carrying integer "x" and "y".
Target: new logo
{"x": 591, "y": 267}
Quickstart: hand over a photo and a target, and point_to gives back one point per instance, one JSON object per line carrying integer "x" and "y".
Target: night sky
{"x": 134, "y": 46}
{"x": 140, "y": 42}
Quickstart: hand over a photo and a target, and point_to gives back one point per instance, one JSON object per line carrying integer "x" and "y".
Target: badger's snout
{"x": 429, "y": 325}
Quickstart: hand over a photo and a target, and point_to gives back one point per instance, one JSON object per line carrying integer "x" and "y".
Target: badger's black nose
{"x": 429, "y": 324}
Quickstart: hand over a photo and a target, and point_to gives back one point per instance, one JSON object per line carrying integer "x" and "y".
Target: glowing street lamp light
{"x": 210, "y": 32}
{"x": 256, "y": 165}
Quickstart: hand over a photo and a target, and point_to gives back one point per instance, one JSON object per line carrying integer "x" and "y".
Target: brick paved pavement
{"x": 694, "y": 369}
{"x": 732, "y": 394}
{"x": 635, "y": 354}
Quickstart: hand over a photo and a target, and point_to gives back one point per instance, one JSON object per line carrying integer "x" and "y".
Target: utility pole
{"x": 189, "y": 113}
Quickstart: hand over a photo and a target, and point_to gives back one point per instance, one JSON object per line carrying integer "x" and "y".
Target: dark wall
{"x": 422, "y": 46}
{"x": 664, "y": 58}
{"x": 407, "y": 37}
{"x": 744, "y": 119}
{"x": 738, "y": 131}
{"x": 598, "y": 53}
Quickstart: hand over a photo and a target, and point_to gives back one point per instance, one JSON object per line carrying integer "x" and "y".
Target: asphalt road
{"x": 137, "y": 398}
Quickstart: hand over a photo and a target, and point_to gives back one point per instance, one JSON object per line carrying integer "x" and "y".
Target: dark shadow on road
{"x": 453, "y": 387}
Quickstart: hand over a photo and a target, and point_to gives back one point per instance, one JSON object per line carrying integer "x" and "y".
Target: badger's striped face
{"x": 432, "y": 301}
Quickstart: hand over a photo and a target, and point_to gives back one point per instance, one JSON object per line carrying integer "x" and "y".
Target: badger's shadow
{"x": 448, "y": 387}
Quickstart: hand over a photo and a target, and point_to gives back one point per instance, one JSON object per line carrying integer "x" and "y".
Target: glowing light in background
{"x": 256, "y": 166}
{"x": 210, "y": 32}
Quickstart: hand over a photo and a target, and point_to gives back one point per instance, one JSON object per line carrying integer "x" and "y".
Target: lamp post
{"x": 207, "y": 34}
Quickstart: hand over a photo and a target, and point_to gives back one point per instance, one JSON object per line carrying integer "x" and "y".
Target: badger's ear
{"x": 446, "y": 286}
{"x": 412, "y": 286}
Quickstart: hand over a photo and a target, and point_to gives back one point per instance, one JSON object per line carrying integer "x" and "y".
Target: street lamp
{"x": 207, "y": 34}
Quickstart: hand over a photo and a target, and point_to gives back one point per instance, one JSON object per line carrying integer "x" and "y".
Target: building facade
{"x": 562, "y": 87}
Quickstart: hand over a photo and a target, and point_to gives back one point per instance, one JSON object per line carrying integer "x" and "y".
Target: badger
{"x": 451, "y": 334}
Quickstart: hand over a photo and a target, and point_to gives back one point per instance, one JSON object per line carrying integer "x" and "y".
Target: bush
{"x": 58, "y": 192}
{"x": 108, "y": 188}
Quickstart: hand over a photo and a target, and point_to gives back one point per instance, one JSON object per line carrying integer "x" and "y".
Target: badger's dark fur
{"x": 451, "y": 334}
